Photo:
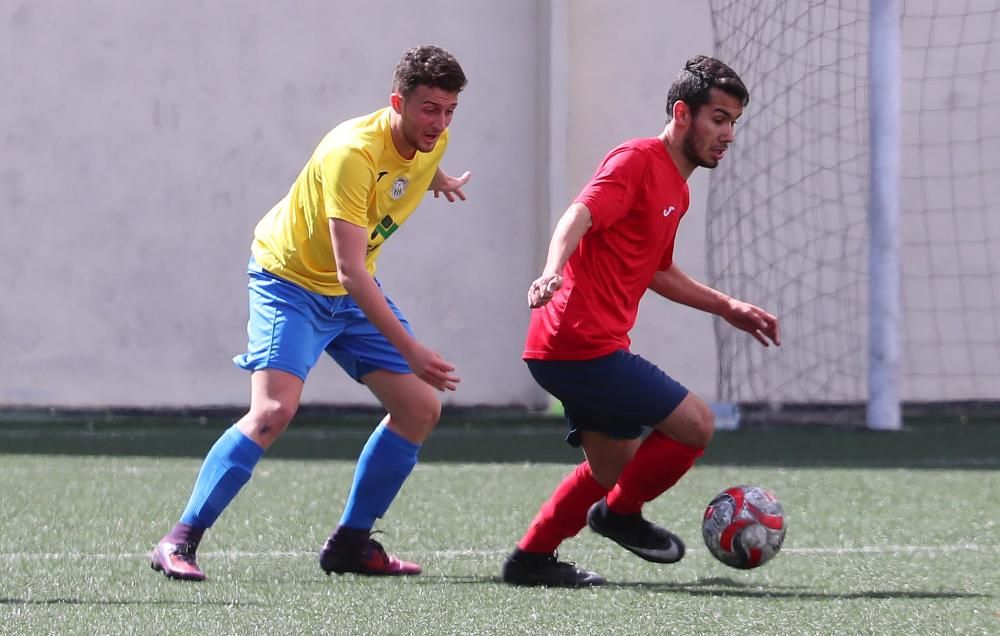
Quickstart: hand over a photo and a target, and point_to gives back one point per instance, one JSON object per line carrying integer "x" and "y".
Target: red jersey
{"x": 636, "y": 199}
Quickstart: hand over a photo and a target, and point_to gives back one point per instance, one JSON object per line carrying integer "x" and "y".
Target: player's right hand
{"x": 432, "y": 369}
{"x": 542, "y": 290}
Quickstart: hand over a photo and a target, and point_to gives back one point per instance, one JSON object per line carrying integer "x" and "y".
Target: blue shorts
{"x": 618, "y": 394}
{"x": 290, "y": 327}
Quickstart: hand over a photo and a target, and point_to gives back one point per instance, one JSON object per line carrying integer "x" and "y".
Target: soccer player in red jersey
{"x": 614, "y": 242}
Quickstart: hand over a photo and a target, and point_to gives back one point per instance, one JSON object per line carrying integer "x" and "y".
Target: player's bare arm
{"x": 572, "y": 225}
{"x": 349, "y": 244}
{"x": 450, "y": 187}
{"x": 674, "y": 284}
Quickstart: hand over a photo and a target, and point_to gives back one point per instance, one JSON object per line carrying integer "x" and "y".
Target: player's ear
{"x": 396, "y": 101}
{"x": 682, "y": 113}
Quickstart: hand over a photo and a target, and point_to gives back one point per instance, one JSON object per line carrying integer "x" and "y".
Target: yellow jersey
{"x": 355, "y": 174}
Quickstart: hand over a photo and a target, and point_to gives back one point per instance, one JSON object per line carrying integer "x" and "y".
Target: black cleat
{"x": 371, "y": 559}
{"x": 647, "y": 540}
{"x": 526, "y": 568}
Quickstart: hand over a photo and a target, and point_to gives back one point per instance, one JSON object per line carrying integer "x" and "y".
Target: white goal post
{"x": 884, "y": 299}
{"x": 861, "y": 204}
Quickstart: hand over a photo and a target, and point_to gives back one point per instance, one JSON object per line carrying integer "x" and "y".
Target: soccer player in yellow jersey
{"x": 312, "y": 289}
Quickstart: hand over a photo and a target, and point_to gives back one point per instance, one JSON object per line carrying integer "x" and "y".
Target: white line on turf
{"x": 927, "y": 550}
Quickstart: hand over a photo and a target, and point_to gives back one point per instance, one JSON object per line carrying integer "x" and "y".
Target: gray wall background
{"x": 143, "y": 141}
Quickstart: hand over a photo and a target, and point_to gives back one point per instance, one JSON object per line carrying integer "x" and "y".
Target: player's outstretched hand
{"x": 432, "y": 369}
{"x": 450, "y": 187}
{"x": 542, "y": 289}
{"x": 753, "y": 320}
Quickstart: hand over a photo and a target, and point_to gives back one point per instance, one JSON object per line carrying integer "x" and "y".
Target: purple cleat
{"x": 176, "y": 561}
{"x": 371, "y": 559}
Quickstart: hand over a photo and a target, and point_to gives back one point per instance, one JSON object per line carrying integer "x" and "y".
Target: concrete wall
{"x": 142, "y": 142}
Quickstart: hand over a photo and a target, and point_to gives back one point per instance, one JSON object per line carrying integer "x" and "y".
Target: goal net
{"x": 787, "y": 225}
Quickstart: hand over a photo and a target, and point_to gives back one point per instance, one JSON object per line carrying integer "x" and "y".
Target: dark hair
{"x": 428, "y": 66}
{"x": 699, "y": 75}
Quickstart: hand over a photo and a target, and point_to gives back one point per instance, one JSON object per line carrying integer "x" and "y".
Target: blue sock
{"x": 385, "y": 462}
{"x": 226, "y": 469}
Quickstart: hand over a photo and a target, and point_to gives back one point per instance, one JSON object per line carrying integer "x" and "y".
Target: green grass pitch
{"x": 888, "y": 534}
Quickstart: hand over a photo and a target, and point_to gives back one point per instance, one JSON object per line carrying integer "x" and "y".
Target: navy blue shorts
{"x": 618, "y": 394}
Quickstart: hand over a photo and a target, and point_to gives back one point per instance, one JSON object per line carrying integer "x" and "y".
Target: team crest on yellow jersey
{"x": 399, "y": 188}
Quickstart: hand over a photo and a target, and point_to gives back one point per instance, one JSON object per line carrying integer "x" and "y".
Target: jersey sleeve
{"x": 611, "y": 192}
{"x": 348, "y": 176}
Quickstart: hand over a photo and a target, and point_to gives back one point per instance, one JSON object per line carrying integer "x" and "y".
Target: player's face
{"x": 424, "y": 115}
{"x": 712, "y": 129}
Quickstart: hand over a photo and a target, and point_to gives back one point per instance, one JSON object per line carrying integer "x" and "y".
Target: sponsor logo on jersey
{"x": 385, "y": 228}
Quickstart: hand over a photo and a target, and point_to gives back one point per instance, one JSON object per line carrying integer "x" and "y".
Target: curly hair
{"x": 428, "y": 66}
{"x": 693, "y": 84}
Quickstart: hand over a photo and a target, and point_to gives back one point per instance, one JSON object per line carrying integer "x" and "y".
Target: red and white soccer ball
{"x": 744, "y": 526}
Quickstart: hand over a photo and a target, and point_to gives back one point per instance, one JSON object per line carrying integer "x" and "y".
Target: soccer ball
{"x": 744, "y": 526}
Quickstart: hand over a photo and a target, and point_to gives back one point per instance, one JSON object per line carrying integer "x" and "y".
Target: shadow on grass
{"x": 143, "y": 602}
{"x": 422, "y": 579}
{"x": 728, "y": 587}
{"x": 483, "y": 436}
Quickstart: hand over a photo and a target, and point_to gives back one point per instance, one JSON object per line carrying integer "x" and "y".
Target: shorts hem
{"x": 270, "y": 365}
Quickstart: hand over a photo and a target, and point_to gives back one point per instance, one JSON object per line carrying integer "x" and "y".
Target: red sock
{"x": 565, "y": 512}
{"x": 657, "y": 465}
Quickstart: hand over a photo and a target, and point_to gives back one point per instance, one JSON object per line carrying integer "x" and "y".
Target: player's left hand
{"x": 450, "y": 187}
{"x": 753, "y": 320}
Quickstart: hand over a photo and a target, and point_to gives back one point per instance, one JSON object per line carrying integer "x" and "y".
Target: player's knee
{"x": 271, "y": 417}
{"x": 693, "y": 424}
{"x": 427, "y": 413}
{"x": 418, "y": 417}
{"x": 606, "y": 476}
{"x": 703, "y": 426}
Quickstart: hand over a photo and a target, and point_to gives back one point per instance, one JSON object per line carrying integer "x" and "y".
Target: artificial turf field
{"x": 889, "y": 533}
